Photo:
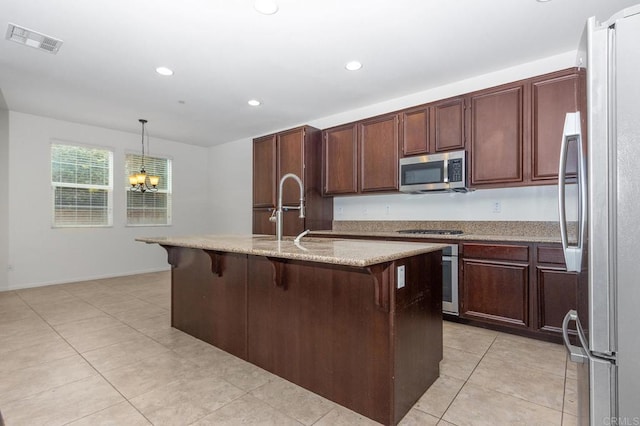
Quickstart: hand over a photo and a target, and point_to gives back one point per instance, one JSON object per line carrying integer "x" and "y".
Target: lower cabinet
{"x": 520, "y": 286}
{"x": 495, "y": 283}
{"x": 556, "y": 289}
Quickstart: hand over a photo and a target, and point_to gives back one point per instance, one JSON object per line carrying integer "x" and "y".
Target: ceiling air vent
{"x": 33, "y": 39}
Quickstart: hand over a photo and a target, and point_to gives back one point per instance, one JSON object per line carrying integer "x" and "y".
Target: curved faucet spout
{"x": 279, "y": 210}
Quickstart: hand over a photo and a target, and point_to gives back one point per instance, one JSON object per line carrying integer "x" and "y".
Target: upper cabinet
{"x": 515, "y": 130}
{"x": 435, "y": 127}
{"x": 553, "y": 96}
{"x": 361, "y": 157}
{"x": 448, "y": 124}
{"x": 497, "y": 135}
{"x": 264, "y": 171}
{"x": 296, "y": 151}
{"x": 378, "y": 143}
{"x": 340, "y": 160}
{"x": 512, "y": 134}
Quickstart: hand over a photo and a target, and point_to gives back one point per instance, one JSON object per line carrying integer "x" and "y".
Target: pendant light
{"x": 141, "y": 182}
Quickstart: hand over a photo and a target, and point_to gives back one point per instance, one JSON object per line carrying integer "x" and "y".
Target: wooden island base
{"x": 343, "y": 332}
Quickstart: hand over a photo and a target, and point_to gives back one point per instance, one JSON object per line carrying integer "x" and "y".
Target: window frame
{"x": 168, "y": 191}
{"x": 108, "y": 188}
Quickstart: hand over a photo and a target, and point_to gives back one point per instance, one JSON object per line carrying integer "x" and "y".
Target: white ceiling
{"x": 224, "y": 53}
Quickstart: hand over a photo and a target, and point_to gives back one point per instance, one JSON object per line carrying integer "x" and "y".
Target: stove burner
{"x": 431, "y": 231}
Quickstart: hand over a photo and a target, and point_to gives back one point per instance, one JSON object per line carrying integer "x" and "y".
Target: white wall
{"x": 4, "y": 196}
{"x": 40, "y": 254}
{"x": 233, "y": 166}
{"x": 535, "y": 203}
{"x": 231, "y": 181}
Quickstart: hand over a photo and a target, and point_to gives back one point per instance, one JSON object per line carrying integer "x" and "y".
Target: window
{"x": 81, "y": 181}
{"x": 149, "y": 208}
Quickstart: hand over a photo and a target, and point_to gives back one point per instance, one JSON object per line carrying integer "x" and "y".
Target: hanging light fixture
{"x": 141, "y": 182}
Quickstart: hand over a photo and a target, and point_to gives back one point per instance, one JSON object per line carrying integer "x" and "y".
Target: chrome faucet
{"x": 277, "y": 216}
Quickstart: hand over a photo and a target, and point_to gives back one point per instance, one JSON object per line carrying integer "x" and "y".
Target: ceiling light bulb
{"x": 353, "y": 66}
{"x": 254, "y": 102}
{"x": 266, "y": 7}
{"x": 164, "y": 71}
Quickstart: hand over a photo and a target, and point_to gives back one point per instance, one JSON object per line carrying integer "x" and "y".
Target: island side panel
{"x": 205, "y": 305}
{"x": 289, "y": 321}
{"x": 418, "y": 330}
{"x": 361, "y": 343}
{"x": 319, "y": 327}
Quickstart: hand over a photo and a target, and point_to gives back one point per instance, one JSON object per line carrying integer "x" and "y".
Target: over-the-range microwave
{"x": 434, "y": 172}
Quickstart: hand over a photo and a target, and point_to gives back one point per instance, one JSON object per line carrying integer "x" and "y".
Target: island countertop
{"x": 357, "y": 253}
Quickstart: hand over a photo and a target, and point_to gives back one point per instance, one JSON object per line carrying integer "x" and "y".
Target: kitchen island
{"x": 358, "y": 322}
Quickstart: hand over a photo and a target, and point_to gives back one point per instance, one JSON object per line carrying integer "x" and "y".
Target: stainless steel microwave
{"x": 434, "y": 172}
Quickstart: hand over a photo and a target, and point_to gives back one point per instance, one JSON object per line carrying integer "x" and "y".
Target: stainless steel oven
{"x": 449, "y": 268}
{"x": 450, "y": 279}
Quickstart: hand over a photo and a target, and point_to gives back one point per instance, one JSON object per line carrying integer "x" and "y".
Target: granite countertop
{"x": 453, "y": 237}
{"x": 357, "y": 253}
{"x": 498, "y": 231}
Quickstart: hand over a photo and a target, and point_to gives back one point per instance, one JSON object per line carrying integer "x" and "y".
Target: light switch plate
{"x": 400, "y": 277}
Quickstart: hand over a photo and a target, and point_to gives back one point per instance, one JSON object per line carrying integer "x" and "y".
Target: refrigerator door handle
{"x": 577, "y": 354}
{"x": 572, "y": 132}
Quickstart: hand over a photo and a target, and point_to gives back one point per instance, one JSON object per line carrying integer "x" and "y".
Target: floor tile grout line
{"x": 467, "y": 379}
{"x": 52, "y": 327}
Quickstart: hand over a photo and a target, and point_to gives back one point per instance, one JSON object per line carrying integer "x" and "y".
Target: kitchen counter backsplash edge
{"x": 525, "y": 231}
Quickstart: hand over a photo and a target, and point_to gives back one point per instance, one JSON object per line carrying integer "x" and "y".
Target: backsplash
{"x": 532, "y": 203}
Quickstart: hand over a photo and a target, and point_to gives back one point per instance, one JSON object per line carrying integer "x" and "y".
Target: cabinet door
{"x": 557, "y": 294}
{"x": 415, "y": 131}
{"x": 556, "y": 288}
{"x": 497, "y": 136}
{"x": 290, "y": 160}
{"x": 261, "y": 223}
{"x": 553, "y": 98}
{"x": 379, "y": 154}
{"x": 496, "y": 292}
{"x": 264, "y": 171}
{"x": 448, "y": 125}
{"x": 340, "y": 152}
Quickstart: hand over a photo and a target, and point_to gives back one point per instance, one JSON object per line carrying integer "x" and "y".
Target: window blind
{"x": 81, "y": 181}
{"x": 149, "y": 208}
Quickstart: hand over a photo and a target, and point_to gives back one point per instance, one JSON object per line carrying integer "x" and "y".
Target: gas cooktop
{"x": 431, "y": 231}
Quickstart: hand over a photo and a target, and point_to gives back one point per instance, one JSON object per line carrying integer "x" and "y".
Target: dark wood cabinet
{"x": 435, "y": 127}
{"x": 497, "y": 135}
{"x": 378, "y": 143}
{"x": 340, "y": 160}
{"x": 495, "y": 283}
{"x": 516, "y": 129}
{"x": 264, "y": 171}
{"x": 361, "y": 157}
{"x": 295, "y": 151}
{"x": 416, "y": 130}
{"x": 553, "y": 96}
{"x": 556, "y": 288}
{"x": 448, "y": 124}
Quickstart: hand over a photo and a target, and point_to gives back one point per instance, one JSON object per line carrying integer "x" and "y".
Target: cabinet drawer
{"x": 498, "y": 252}
{"x": 550, "y": 254}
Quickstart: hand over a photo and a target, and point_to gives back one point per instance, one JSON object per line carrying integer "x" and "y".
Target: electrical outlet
{"x": 497, "y": 206}
{"x": 400, "y": 278}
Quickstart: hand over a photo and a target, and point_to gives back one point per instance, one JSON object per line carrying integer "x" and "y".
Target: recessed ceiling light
{"x": 164, "y": 71}
{"x": 254, "y": 102}
{"x": 543, "y": 1}
{"x": 266, "y": 7}
{"x": 353, "y": 66}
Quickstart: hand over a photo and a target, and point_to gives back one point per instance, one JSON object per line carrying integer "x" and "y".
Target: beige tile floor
{"x": 103, "y": 352}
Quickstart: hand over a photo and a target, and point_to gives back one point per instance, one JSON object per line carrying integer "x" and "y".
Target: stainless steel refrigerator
{"x": 606, "y": 250}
